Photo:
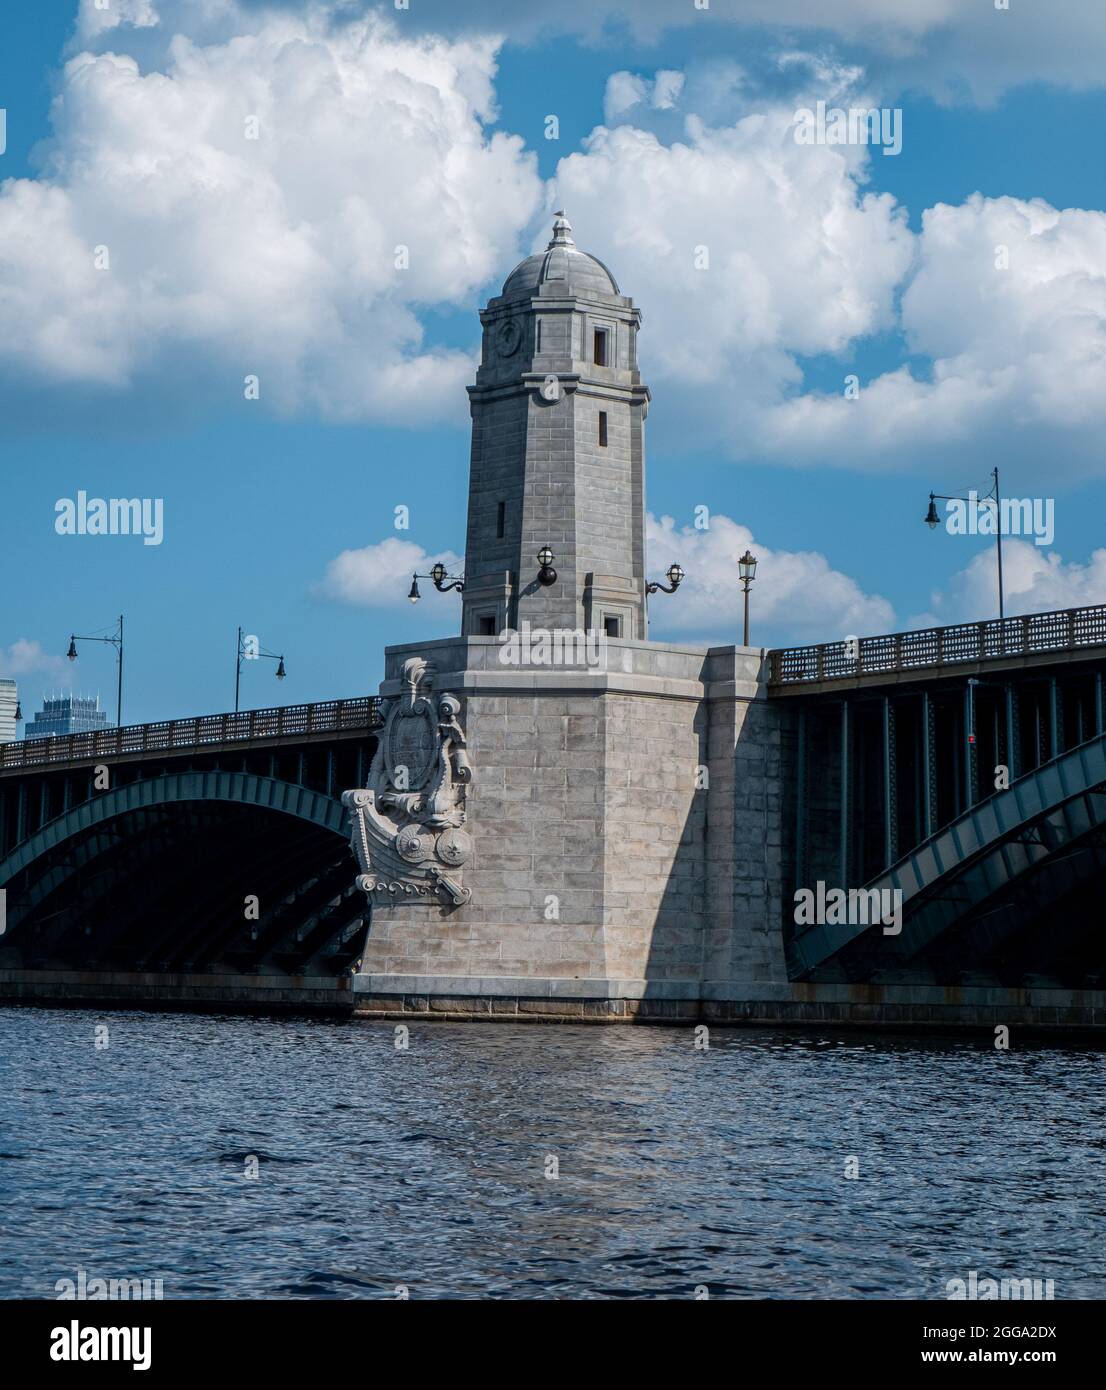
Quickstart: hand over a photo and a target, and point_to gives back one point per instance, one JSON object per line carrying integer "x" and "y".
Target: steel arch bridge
{"x": 976, "y": 895}
{"x": 212, "y": 853}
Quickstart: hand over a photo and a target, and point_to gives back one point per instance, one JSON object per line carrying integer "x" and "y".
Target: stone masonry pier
{"x": 627, "y": 840}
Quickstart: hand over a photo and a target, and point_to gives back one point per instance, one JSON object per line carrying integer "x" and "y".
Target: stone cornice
{"x": 571, "y": 382}
{"x": 471, "y": 666}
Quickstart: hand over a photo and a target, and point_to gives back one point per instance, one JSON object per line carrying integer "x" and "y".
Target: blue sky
{"x": 137, "y": 393}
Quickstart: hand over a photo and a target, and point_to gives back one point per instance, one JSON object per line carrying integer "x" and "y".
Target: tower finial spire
{"x": 562, "y": 231}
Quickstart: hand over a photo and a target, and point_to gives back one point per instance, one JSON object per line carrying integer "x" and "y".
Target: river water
{"x": 529, "y": 1161}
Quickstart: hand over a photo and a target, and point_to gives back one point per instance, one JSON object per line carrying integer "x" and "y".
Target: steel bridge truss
{"x": 159, "y": 873}
{"x": 974, "y": 895}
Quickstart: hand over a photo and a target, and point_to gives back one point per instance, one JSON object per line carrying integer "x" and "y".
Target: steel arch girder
{"x": 241, "y": 788}
{"x": 1060, "y": 795}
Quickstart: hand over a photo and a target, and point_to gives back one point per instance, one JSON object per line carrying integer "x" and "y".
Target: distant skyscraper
{"x": 9, "y": 699}
{"x": 67, "y": 714}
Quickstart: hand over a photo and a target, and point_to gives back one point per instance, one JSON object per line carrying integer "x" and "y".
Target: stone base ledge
{"x": 902, "y": 994}
{"x": 1041, "y": 1019}
{"x": 529, "y": 986}
{"x": 520, "y": 999}
{"x": 520, "y": 1009}
{"x": 523, "y": 999}
{"x": 199, "y": 992}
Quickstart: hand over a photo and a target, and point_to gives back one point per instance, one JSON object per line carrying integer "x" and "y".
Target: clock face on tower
{"x": 508, "y": 337}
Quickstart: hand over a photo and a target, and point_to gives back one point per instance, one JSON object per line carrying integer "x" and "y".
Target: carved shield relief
{"x": 411, "y": 742}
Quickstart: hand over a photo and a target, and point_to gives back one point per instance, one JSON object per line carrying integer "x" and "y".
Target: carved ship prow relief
{"x": 406, "y": 825}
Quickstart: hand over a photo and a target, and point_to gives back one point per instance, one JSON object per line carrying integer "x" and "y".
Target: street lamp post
{"x": 242, "y": 655}
{"x": 116, "y": 641}
{"x": 439, "y": 575}
{"x": 747, "y": 569}
{"x": 675, "y": 576}
{"x": 932, "y": 520}
{"x": 547, "y": 575}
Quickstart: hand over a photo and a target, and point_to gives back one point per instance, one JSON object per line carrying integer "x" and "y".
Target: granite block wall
{"x": 626, "y": 825}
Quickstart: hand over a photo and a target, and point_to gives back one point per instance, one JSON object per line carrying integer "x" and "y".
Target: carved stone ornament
{"x": 406, "y": 824}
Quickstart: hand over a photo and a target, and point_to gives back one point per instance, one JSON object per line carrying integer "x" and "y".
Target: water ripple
{"x": 503, "y": 1161}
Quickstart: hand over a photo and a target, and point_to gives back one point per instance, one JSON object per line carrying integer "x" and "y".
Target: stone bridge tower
{"x": 558, "y": 446}
{"x": 583, "y": 830}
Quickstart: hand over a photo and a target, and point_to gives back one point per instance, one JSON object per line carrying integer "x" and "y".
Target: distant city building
{"x": 67, "y": 714}
{"x": 9, "y": 700}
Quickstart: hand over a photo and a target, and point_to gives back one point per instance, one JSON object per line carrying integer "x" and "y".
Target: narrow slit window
{"x": 537, "y": 338}
{"x": 500, "y": 520}
{"x": 612, "y": 625}
{"x": 486, "y": 624}
{"x": 600, "y": 348}
{"x": 602, "y": 429}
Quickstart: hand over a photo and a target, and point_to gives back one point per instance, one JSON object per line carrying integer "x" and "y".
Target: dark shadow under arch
{"x": 159, "y": 875}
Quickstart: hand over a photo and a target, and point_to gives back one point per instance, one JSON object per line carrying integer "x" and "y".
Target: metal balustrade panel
{"x": 934, "y": 649}
{"x": 208, "y": 730}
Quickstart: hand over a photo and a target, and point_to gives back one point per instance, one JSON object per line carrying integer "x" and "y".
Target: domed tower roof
{"x": 571, "y": 271}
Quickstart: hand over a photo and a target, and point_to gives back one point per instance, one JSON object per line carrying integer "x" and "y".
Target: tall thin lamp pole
{"x": 116, "y": 641}
{"x": 239, "y": 653}
{"x": 998, "y": 543}
{"x": 119, "y": 684}
{"x": 932, "y": 520}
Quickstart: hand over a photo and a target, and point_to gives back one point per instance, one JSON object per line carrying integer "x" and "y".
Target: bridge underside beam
{"x": 188, "y": 885}
{"x": 1002, "y": 894}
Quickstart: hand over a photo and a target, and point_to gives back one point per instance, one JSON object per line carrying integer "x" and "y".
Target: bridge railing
{"x": 205, "y": 730}
{"x": 1065, "y": 629}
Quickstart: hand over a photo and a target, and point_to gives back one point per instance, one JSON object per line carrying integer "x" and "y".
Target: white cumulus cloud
{"x": 25, "y": 657}
{"x": 303, "y": 255}
{"x": 751, "y": 255}
{"x": 1009, "y": 301}
{"x": 746, "y": 251}
{"x": 1034, "y": 581}
{"x": 95, "y": 18}
{"x": 379, "y": 575}
{"x": 959, "y": 50}
{"x": 796, "y": 595}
